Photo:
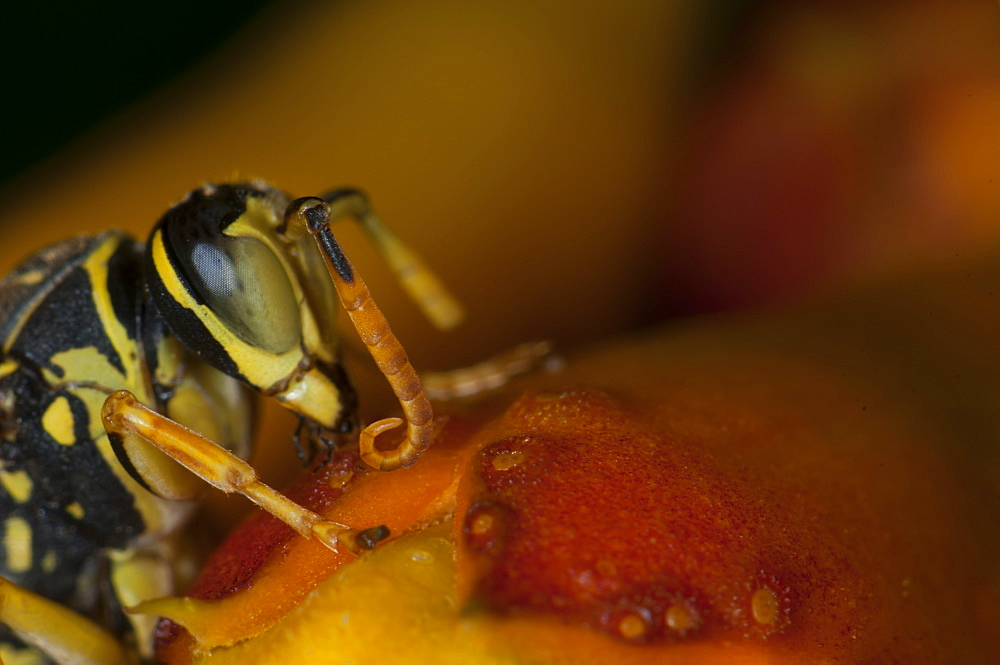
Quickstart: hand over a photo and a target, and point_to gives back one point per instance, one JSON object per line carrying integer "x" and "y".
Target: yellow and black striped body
{"x": 76, "y": 324}
{"x": 230, "y": 298}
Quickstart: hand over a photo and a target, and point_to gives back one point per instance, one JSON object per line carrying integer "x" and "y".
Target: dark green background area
{"x": 66, "y": 66}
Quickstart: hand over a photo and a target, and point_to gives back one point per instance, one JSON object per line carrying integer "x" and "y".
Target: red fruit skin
{"x": 606, "y": 517}
{"x": 841, "y": 461}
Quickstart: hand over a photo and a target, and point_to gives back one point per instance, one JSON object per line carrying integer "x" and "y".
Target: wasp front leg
{"x": 126, "y": 418}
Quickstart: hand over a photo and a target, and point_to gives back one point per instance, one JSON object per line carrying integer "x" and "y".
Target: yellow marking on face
{"x": 313, "y": 395}
{"x": 17, "y": 542}
{"x": 75, "y": 510}
{"x": 18, "y": 484}
{"x": 58, "y": 421}
{"x": 259, "y": 220}
{"x": 50, "y": 561}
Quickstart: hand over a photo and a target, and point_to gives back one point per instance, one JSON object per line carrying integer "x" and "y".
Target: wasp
{"x": 120, "y": 359}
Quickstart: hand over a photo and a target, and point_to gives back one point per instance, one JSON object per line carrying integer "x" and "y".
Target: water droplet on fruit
{"x": 764, "y": 605}
{"x": 681, "y": 618}
{"x": 632, "y": 626}
{"x": 421, "y": 556}
{"x": 482, "y": 523}
{"x": 485, "y": 525}
{"x": 507, "y": 461}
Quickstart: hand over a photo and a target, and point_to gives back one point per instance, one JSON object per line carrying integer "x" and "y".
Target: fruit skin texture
{"x": 802, "y": 487}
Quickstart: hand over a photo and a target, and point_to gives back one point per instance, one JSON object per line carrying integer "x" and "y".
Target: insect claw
{"x": 369, "y": 538}
{"x": 356, "y": 541}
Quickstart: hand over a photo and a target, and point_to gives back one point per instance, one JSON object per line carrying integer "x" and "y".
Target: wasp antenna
{"x": 421, "y": 284}
{"x": 374, "y": 330}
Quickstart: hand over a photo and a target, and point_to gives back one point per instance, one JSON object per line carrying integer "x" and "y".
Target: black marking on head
{"x": 348, "y": 402}
{"x": 211, "y": 208}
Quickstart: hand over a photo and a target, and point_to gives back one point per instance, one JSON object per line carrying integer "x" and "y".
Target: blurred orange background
{"x": 574, "y": 169}
{"x": 841, "y": 141}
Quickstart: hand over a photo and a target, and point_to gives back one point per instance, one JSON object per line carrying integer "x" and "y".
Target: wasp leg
{"x": 63, "y": 635}
{"x": 124, "y": 415}
{"x": 315, "y": 215}
{"x": 490, "y": 374}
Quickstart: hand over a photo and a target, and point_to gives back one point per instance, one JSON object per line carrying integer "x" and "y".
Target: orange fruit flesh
{"x": 781, "y": 489}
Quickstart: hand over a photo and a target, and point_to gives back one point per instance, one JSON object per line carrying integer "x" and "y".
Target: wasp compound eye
{"x": 214, "y": 278}
{"x": 246, "y": 286}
